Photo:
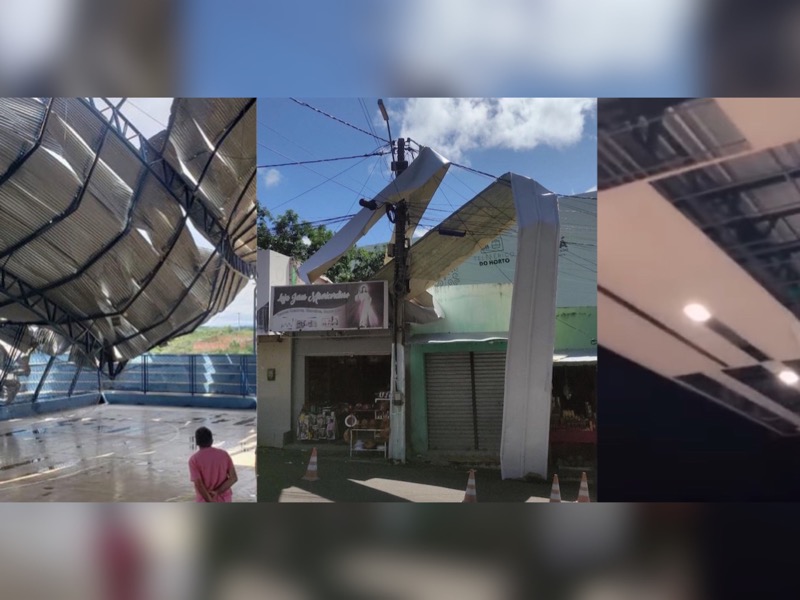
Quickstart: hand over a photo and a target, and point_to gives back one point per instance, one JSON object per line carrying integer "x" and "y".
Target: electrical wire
{"x": 331, "y": 178}
{"x": 361, "y": 191}
{"x": 306, "y": 150}
{"x": 365, "y": 111}
{"x": 485, "y": 174}
{"x": 342, "y": 121}
{"x": 318, "y": 160}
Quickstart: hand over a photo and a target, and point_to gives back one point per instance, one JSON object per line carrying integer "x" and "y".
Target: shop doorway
{"x": 334, "y": 380}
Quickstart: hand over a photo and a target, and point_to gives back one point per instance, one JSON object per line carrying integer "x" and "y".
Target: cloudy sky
{"x": 150, "y": 115}
{"x": 551, "y": 140}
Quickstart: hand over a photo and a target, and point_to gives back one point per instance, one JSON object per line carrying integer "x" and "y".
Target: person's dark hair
{"x": 203, "y": 437}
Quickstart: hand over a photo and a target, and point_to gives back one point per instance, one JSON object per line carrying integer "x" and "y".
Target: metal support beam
{"x": 243, "y": 375}
{"x": 69, "y": 325}
{"x": 42, "y": 379}
{"x": 73, "y": 206}
{"x": 72, "y": 385}
{"x": 10, "y": 358}
{"x": 173, "y": 183}
{"x": 20, "y": 160}
{"x": 193, "y": 368}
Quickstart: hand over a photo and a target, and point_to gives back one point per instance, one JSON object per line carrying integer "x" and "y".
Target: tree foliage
{"x": 299, "y": 239}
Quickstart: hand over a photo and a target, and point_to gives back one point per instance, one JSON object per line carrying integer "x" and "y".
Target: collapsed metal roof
{"x": 112, "y": 243}
{"x": 481, "y": 220}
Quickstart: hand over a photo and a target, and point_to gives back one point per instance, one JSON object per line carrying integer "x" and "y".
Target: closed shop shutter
{"x": 490, "y": 375}
{"x": 448, "y": 388}
{"x": 454, "y": 421}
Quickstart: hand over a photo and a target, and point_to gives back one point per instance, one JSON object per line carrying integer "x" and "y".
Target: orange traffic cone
{"x": 311, "y": 472}
{"x": 470, "y": 496}
{"x": 583, "y": 493}
{"x": 555, "y": 491}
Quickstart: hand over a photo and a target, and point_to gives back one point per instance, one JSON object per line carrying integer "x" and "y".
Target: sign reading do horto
{"x": 333, "y": 306}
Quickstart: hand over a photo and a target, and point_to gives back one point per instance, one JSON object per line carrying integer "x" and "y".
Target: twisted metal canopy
{"x": 112, "y": 243}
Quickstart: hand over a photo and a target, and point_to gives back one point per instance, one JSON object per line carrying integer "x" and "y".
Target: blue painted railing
{"x": 54, "y": 378}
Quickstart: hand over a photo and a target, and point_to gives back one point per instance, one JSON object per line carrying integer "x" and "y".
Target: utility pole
{"x": 397, "y": 439}
{"x": 399, "y": 214}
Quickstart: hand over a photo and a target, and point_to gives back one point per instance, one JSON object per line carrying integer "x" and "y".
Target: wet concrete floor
{"x": 118, "y": 454}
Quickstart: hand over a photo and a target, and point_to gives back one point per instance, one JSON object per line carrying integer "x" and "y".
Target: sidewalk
{"x": 373, "y": 479}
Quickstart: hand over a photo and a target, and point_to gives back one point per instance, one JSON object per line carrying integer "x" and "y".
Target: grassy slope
{"x": 211, "y": 340}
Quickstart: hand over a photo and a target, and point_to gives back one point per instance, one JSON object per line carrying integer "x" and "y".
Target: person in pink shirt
{"x": 211, "y": 470}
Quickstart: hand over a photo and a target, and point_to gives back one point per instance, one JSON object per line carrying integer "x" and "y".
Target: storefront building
{"x": 455, "y": 366}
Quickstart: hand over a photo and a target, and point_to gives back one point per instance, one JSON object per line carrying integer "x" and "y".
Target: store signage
{"x": 327, "y": 307}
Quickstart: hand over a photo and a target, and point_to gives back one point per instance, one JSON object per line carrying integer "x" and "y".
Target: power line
{"x": 319, "y": 160}
{"x": 489, "y": 175}
{"x": 466, "y": 168}
{"x": 310, "y": 153}
{"x": 343, "y": 122}
{"x": 364, "y": 110}
{"x": 361, "y": 191}
{"x": 331, "y": 178}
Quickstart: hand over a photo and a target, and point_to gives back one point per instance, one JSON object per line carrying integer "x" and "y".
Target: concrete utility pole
{"x": 399, "y": 213}
{"x": 397, "y": 439}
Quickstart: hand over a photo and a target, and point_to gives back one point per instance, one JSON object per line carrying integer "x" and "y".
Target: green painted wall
{"x": 486, "y": 308}
{"x": 481, "y": 309}
{"x": 459, "y": 304}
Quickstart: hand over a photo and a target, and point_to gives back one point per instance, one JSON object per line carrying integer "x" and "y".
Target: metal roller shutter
{"x": 454, "y": 421}
{"x": 490, "y": 374}
{"x": 448, "y": 388}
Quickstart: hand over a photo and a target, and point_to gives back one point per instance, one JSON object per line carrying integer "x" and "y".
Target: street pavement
{"x": 373, "y": 479}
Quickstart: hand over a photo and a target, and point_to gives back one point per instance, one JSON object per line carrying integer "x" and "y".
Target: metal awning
{"x": 560, "y": 357}
{"x": 416, "y": 185}
{"x": 576, "y": 357}
{"x": 482, "y": 219}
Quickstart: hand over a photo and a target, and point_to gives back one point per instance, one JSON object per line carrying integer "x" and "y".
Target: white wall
{"x": 274, "y": 397}
{"x": 273, "y": 269}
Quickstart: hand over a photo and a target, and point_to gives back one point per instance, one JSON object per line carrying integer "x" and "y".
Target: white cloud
{"x": 239, "y": 312}
{"x": 420, "y": 231}
{"x": 484, "y": 45}
{"x": 272, "y": 177}
{"x": 591, "y": 189}
{"x": 454, "y": 126}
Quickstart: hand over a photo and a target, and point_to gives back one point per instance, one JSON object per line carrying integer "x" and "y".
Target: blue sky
{"x": 555, "y": 139}
{"x": 444, "y": 47}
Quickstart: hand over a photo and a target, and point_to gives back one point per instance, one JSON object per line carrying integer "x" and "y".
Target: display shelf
{"x": 364, "y": 434}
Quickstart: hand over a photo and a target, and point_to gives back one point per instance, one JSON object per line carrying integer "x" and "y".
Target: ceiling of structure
{"x": 111, "y": 243}
{"x": 700, "y": 203}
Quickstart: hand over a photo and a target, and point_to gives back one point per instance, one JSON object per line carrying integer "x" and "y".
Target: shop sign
{"x": 328, "y": 307}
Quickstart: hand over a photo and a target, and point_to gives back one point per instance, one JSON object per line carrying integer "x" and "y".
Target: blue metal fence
{"x": 51, "y": 378}
{"x": 222, "y": 374}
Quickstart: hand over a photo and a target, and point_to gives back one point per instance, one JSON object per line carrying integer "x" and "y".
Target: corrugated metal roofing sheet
{"x": 99, "y": 243}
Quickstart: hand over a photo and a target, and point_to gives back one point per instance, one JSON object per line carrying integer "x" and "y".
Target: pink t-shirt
{"x": 211, "y": 466}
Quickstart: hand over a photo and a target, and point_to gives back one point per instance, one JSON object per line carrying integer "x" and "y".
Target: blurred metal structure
{"x": 700, "y": 203}
{"x": 112, "y": 243}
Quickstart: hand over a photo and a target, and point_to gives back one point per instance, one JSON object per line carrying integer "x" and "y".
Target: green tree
{"x": 291, "y": 236}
